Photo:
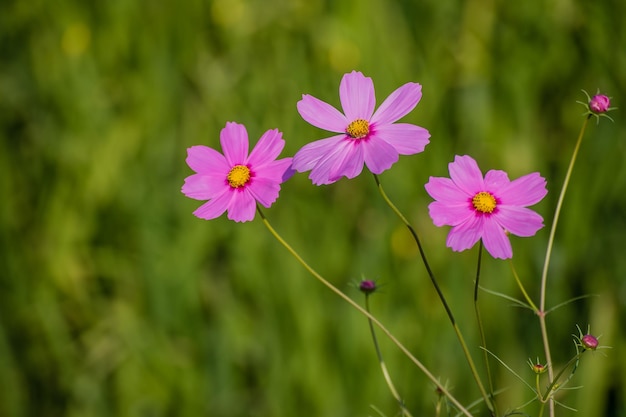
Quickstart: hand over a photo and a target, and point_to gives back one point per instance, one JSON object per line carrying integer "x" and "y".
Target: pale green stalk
{"x": 544, "y": 276}
{"x": 521, "y": 287}
{"x": 361, "y": 310}
{"x": 381, "y": 361}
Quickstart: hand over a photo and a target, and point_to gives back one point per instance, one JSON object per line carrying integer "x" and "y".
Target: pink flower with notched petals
{"x": 236, "y": 181}
{"x": 486, "y": 209}
{"x": 364, "y": 136}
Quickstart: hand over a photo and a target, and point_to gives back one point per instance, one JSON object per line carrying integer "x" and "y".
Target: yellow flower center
{"x": 238, "y": 176}
{"x": 358, "y": 129}
{"x": 484, "y": 202}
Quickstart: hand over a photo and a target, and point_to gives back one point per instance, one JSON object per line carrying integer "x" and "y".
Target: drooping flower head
{"x": 364, "y": 135}
{"x": 486, "y": 208}
{"x": 236, "y": 181}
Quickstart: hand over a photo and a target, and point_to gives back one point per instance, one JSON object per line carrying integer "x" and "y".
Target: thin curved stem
{"x": 555, "y": 383}
{"x": 431, "y": 275}
{"x": 381, "y": 361}
{"x": 521, "y": 287}
{"x": 419, "y": 246}
{"x": 361, "y": 310}
{"x": 481, "y": 330}
{"x": 544, "y": 276}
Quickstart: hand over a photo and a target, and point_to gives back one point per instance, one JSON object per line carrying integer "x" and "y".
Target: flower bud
{"x": 589, "y": 342}
{"x": 367, "y": 286}
{"x": 599, "y": 104}
{"x": 539, "y": 368}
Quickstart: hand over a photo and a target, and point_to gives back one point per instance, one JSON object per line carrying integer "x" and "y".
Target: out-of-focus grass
{"x": 115, "y": 300}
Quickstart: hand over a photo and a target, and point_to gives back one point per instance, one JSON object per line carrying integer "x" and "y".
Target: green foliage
{"x": 115, "y": 300}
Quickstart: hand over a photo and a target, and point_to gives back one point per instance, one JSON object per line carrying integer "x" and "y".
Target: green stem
{"x": 521, "y": 287}
{"x": 543, "y": 404}
{"x": 361, "y": 310}
{"x": 546, "y": 347}
{"x": 381, "y": 361}
{"x": 544, "y": 276}
{"x": 481, "y": 330}
{"x": 431, "y": 275}
{"x": 555, "y": 383}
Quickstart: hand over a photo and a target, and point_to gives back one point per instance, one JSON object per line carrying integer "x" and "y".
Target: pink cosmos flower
{"x": 236, "y": 181}
{"x": 487, "y": 209}
{"x": 364, "y": 136}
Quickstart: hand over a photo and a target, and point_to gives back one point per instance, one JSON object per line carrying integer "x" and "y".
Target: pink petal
{"x": 264, "y": 191}
{"x": 466, "y": 175}
{"x": 445, "y": 190}
{"x": 234, "y": 140}
{"x": 309, "y": 155}
{"x": 204, "y": 187}
{"x": 242, "y": 206}
{"x": 289, "y": 172}
{"x": 379, "y": 155}
{"x": 321, "y": 114}
{"x": 205, "y": 160}
{"x": 357, "y": 96}
{"x": 406, "y": 138}
{"x": 214, "y": 208}
{"x": 495, "y": 180}
{"x": 465, "y": 235}
{"x": 398, "y": 104}
{"x": 449, "y": 214}
{"x": 524, "y": 191}
{"x": 495, "y": 239}
{"x": 275, "y": 170}
{"x": 344, "y": 159}
{"x": 519, "y": 221}
{"x": 267, "y": 149}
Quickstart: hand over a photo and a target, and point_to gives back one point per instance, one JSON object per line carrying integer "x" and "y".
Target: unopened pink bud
{"x": 599, "y": 103}
{"x": 589, "y": 342}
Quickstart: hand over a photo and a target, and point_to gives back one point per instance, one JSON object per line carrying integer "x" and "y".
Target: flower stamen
{"x": 238, "y": 176}
{"x": 358, "y": 129}
{"x": 484, "y": 202}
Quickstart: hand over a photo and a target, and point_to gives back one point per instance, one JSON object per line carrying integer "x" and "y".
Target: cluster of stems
{"x": 488, "y": 393}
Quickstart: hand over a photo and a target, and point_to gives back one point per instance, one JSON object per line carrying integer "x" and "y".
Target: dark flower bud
{"x": 537, "y": 368}
{"x": 367, "y": 286}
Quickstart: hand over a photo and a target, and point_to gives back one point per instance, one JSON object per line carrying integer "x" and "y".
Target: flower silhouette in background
{"x": 236, "y": 181}
{"x": 364, "y": 136}
{"x": 485, "y": 208}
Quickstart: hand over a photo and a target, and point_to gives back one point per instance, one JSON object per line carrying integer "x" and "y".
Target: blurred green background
{"x": 116, "y": 301}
